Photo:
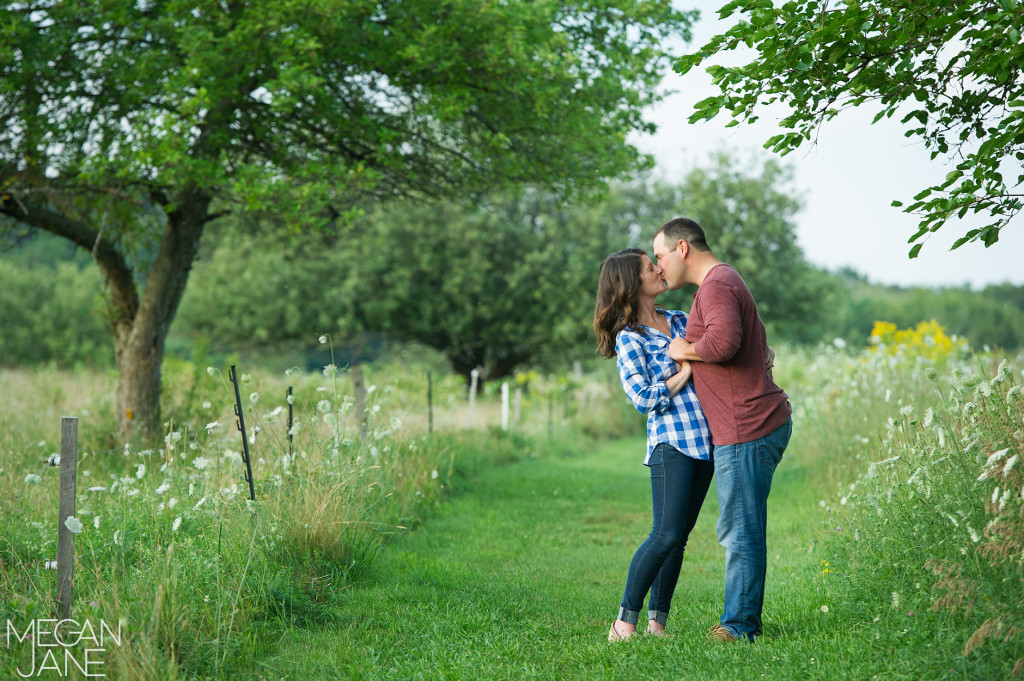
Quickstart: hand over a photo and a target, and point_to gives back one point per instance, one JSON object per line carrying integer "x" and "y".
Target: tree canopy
{"x": 952, "y": 71}
{"x": 127, "y": 128}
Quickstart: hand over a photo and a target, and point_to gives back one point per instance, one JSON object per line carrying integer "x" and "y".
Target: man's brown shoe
{"x": 720, "y": 633}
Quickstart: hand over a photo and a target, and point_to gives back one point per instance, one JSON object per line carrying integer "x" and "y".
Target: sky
{"x": 847, "y": 182}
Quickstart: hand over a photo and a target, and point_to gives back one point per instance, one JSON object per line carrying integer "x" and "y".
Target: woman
{"x": 631, "y": 328}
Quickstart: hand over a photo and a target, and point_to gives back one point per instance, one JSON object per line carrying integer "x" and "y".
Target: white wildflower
{"x": 953, "y": 520}
{"x": 913, "y": 478}
{"x": 32, "y": 479}
{"x": 371, "y": 389}
{"x": 164, "y": 486}
{"x": 433, "y": 475}
{"x": 200, "y": 463}
{"x": 931, "y": 373}
{"x": 969, "y": 407}
{"x": 906, "y": 410}
{"x": 73, "y": 524}
{"x": 212, "y": 425}
{"x": 201, "y": 502}
{"x": 374, "y": 452}
{"x": 254, "y": 398}
{"x": 323, "y": 339}
{"x": 995, "y": 456}
{"x": 96, "y": 489}
{"x": 888, "y": 395}
{"x": 330, "y": 371}
{"x": 172, "y": 502}
{"x": 942, "y": 438}
{"x": 983, "y": 389}
{"x": 331, "y": 420}
{"x": 323, "y": 406}
{"x": 140, "y": 472}
{"x": 176, "y": 524}
{"x": 839, "y": 343}
{"x": 207, "y": 404}
{"x": 172, "y": 439}
{"x": 235, "y": 458}
{"x": 995, "y": 495}
{"x": 895, "y": 599}
{"x": 118, "y": 539}
{"x": 291, "y": 400}
{"x": 974, "y": 535}
{"x": 396, "y": 423}
{"x": 211, "y": 371}
{"x": 271, "y": 415}
{"x": 96, "y": 522}
{"x": 824, "y": 608}
{"x": 929, "y": 416}
{"x": 1008, "y": 466}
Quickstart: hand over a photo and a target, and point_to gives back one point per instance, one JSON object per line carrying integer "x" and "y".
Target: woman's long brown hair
{"x": 618, "y": 286}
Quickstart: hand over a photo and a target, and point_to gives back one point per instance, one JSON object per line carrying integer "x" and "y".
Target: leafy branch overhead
{"x": 951, "y": 71}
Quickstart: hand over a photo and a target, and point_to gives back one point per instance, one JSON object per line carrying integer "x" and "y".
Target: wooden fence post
{"x": 430, "y": 402}
{"x": 65, "y": 510}
{"x": 359, "y": 387}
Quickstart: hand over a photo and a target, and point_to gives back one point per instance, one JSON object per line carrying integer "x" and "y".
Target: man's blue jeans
{"x": 743, "y": 479}
{"x": 679, "y": 484}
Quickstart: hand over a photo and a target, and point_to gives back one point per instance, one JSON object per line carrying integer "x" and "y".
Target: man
{"x": 750, "y": 417}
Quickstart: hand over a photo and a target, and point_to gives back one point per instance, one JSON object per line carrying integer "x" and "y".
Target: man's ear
{"x": 683, "y": 247}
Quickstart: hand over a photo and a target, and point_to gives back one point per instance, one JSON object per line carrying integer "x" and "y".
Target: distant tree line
{"x": 502, "y": 281}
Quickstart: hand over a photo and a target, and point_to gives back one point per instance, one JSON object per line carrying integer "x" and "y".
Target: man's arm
{"x": 723, "y": 325}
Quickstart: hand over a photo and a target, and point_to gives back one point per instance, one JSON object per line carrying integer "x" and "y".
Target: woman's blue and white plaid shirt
{"x": 644, "y": 366}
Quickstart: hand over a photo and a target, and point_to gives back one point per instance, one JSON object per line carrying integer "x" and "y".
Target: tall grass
{"x": 922, "y": 498}
{"x": 199, "y": 576}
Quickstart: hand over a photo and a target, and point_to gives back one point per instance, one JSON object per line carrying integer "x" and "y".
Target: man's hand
{"x": 682, "y": 351}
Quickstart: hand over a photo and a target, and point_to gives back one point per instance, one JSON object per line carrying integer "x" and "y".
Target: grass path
{"x": 520, "y": 574}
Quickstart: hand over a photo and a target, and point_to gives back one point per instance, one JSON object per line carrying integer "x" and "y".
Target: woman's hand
{"x": 683, "y": 374}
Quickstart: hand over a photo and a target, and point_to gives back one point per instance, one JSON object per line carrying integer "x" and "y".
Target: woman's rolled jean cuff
{"x": 658, "y": 616}
{"x": 629, "y": 616}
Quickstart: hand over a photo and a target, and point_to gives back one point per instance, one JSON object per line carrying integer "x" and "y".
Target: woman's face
{"x": 653, "y": 280}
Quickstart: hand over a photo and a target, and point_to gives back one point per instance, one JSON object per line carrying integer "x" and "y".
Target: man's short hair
{"x": 687, "y": 230}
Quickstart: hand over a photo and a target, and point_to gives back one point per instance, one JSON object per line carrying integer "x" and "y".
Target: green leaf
{"x": 915, "y": 250}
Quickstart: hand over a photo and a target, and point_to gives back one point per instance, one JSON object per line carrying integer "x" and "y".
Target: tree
{"x": 128, "y": 128}
{"x": 952, "y": 70}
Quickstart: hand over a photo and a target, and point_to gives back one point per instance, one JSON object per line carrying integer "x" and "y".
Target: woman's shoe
{"x": 615, "y": 635}
{"x": 655, "y": 631}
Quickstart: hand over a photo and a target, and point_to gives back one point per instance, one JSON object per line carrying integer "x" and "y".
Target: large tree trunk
{"x": 139, "y": 338}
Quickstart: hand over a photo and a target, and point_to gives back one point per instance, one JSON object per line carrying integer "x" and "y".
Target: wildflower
{"x": 888, "y": 395}
{"x": 233, "y": 457}
{"x": 331, "y": 420}
{"x": 942, "y": 438}
{"x": 96, "y": 522}
{"x": 323, "y": 406}
{"x": 983, "y": 389}
{"x": 164, "y": 486}
{"x": 32, "y": 479}
{"x": 995, "y": 495}
{"x": 895, "y": 599}
{"x": 172, "y": 439}
{"x": 270, "y": 416}
{"x": 291, "y": 399}
{"x": 396, "y": 423}
{"x": 200, "y": 463}
{"x": 212, "y": 425}
{"x": 913, "y": 478}
{"x": 211, "y": 371}
{"x": 250, "y": 506}
{"x": 255, "y": 430}
{"x": 1008, "y": 466}
{"x": 73, "y": 524}
{"x": 371, "y": 389}
{"x": 433, "y": 475}
{"x": 323, "y": 339}
{"x": 974, "y": 535}
{"x": 839, "y": 343}
{"x": 172, "y": 502}
{"x": 906, "y": 410}
{"x": 821, "y": 502}
{"x": 176, "y": 524}
{"x": 296, "y": 427}
{"x": 953, "y": 520}
{"x": 995, "y": 456}
{"x": 206, "y": 404}
{"x": 374, "y": 452}
{"x": 824, "y": 608}
{"x": 931, "y": 373}
{"x": 140, "y": 472}
{"x": 118, "y": 539}
{"x": 330, "y": 371}
{"x": 254, "y": 398}
{"x": 201, "y": 502}
{"x": 929, "y": 415}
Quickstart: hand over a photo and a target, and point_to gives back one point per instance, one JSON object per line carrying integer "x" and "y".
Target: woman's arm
{"x": 676, "y": 382}
{"x": 646, "y": 395}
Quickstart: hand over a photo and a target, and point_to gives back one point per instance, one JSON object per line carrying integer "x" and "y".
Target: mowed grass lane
{"x": 519, "y": 576}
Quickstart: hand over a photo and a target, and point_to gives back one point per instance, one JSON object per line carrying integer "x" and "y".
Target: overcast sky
{"x": 848, "y": 181}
